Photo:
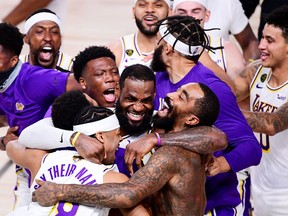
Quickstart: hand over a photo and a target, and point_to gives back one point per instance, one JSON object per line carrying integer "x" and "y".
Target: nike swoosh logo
{"x": 259, "y": 86}
{"x": 61, "y": 140}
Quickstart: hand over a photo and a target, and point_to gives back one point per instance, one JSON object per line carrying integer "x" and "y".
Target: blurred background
{"x": 86, "y": 23}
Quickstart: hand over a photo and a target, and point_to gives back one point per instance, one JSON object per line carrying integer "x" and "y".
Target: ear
{"x": 168, "y": 49}
{"x": 26, "y": 39}
{"x": 192, "y": 120}
{"x": 99, "y": 136}
{"x": 82, "y": 82}
{"x": 14, "y": 60}
{"x": 207, "y": 16}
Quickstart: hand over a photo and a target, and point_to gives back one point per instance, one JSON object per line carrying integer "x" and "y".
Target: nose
{"x": 150, "y": 8}
{"x": 138, "y": 106}
{"x": 47, "y": 36}
{"x": 262, "y": 44}
{"x": 109, "y": 77}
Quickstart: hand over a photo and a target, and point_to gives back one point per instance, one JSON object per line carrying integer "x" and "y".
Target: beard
{"x": 152, "y": 31}
{"x": 125, "y": 124}
{"x": 157, "y": 63}
{"x": 165, "y": 123}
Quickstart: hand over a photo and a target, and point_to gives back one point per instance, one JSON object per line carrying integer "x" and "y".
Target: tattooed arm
{"x": 153, "y": 176}
{"x": 202, "y": 140}
{"x": 243, "y": 80}
{"x": 268, "y": 123}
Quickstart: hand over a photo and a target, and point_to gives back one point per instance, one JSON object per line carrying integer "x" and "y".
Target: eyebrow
{"x": 186, "y": 94}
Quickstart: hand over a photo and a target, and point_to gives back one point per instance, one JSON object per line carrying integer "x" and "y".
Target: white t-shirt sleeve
{"x": 239, "y": 19}
{"x": 43, "y": 135}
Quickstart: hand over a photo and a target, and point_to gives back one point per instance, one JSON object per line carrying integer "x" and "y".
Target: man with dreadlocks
{"x": 181, "y": 42}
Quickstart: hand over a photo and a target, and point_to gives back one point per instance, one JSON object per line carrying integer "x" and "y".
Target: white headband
{"x": 179, "y": 46}
{"x": 107, "y": 124}
{"x": 204, "y": 3}
{"x": 168, "y": 2}
{"x": 40, "y": 17}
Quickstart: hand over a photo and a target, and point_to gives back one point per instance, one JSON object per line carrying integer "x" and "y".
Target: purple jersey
{"x": 243, "y": 149}
{"x": 29, "y": 96}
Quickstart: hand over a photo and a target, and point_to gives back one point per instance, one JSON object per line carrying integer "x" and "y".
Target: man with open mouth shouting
{"x": 42, "y": 31}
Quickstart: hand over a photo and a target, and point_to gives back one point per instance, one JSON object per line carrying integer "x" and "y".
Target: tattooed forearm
{"x": 146, "y": 181}
{"x": 202, "y": 139}
{"x": 268, "y": 123}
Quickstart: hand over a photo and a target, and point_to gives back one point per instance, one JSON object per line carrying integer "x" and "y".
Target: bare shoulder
{"x": 114, "y": 177}
{"x": 251, "y": 69}
{"x": 116, "y": 48}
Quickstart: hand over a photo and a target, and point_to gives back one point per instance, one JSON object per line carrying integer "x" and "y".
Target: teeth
{"x": 165, "y": 105}
{"x": 135, "y": 115}
{"x": 47, "y": 48}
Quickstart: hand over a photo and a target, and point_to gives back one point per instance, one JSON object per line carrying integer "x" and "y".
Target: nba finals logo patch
{"x": 263, "y": 77}
{"x": 19, "y": 106}
{"x": 129, "y": 52}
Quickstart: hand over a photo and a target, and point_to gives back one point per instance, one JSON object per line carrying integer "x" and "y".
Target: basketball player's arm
{"x": 46, "y": 136}
{"x": 202, "y": 140}
{"x": 23, "y": 9}
{"x": 28, "y": 158}
{"x": 244, "y": 79}
{"x": 234, "y": 59}
{"x": 116, "y": 48}
{"x": 115, "y": 177}
{"x": 268, "y": 123}
{"x": 219, "y": 72}
{"x": 146, "y": 181}
{"x": 72, "y": 83}
{"x": 249, "y": 43}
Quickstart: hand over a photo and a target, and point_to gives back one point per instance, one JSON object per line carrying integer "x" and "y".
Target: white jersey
{"x": 228, "y": 15}
{"x": 64, "y": 63}
{"x": 218, "y": 55}
{"x": 131, "y": 54}
{"x": 270, "y": 177}
{"x": 66, "y": 167}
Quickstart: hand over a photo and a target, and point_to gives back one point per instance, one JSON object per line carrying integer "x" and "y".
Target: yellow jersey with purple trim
{"x": 270, "y": 177}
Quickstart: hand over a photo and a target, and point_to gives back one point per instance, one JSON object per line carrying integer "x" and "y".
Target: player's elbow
{"x": 221, "y": 141}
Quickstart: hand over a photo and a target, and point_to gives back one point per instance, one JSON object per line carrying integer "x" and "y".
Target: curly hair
{"x": 90, "y": 53}
{"x": 187, "y": 29}
{"x": 11, "y": 39}
{"x": 66, "y": 107}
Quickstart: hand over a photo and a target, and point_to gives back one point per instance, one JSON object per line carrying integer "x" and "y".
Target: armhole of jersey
{"x": 258, "y": 72}
{"x": 221, "y": 42}
{"x": 122, "y": 39}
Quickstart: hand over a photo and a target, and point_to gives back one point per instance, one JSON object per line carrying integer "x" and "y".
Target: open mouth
{"x": 46, "y": 53}
{"x": 135, "y": 117}
{"x": 109, "y": 95}
{"x": 150, "y": 20}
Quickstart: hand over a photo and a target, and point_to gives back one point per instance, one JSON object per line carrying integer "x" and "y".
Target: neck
{"x": 279, "y": 75}
{"x": 146, "y": 43}
{"x": 177, "y": 68}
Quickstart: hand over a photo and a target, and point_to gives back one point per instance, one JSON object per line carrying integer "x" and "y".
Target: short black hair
{"x": 278, "y": 18}
{"x": 11, "y": 38}
{"x": 90, "y": 53}
{"x": 137, "y": 72}
{"x": 92, "y": 114}
{"x": 41, "y": 11}
{"x": 66, "y": 107}
{"x": 207, "y": 108}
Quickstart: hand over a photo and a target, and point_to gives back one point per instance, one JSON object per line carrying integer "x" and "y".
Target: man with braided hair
{"x": 181, "y": 42}
{"x": 177, "y": 181}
